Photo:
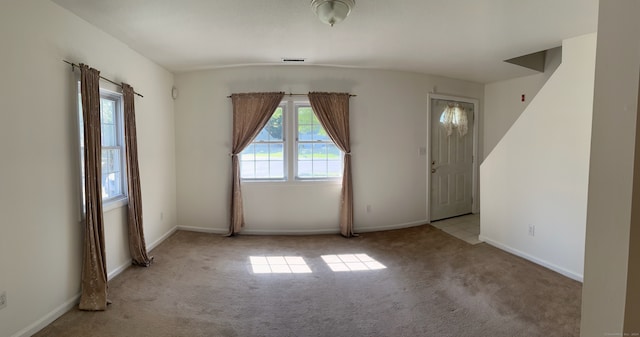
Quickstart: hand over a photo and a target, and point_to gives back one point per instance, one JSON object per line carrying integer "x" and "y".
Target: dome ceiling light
{"x": 332, "y": 11}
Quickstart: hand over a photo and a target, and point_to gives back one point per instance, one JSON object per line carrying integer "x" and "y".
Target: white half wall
{"x": 41, "y": 238}
{"x": 388, "y": 128}
{"x": 503, "y": 104}
{"x": 537, "y": 175}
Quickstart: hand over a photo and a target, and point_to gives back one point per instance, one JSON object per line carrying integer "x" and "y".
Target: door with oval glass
{"x": 451, "y": 158}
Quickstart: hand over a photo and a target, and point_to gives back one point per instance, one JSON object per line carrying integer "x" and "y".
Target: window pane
{"x": 276, "y": 169}
{"x": 108, "y": 110}
{"x": 305, "y": 169}
{"x": 262, "y": 151}
{"x": 264, "y": 157}
{"x": 305, "y": 152}
{"x": 247, "y": 169}
{"x": 262, "y": 169}
{"x": 111, "y": 173}
{"x": 319, "y": 133}
{"x": 305, "y": 115}
{"x": 248, "y": 153}
{"x": 334, "y": 168}
{"x": 319, "y": 168}
{"x": 305, "y": 132}
{"x": 333, "y": 153}
{"x": 276, "y": 151}
{"x": 109, "y": 137}
{"x": 111, "y": 186}
{"x": 319, "y": 152}
{"x": 274, "y": 126}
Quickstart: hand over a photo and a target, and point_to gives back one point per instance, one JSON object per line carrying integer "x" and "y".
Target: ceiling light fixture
{"x": 332, "y": 11}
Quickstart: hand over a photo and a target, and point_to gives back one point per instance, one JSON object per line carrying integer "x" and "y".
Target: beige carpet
{"x": 434, "y": 285}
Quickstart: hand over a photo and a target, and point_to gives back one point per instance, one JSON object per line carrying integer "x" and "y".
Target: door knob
{"x": 433, "y": 170}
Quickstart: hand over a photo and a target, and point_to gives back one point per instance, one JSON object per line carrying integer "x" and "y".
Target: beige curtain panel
{"x": 332, "y": 110}
{"x": 251, "y": 112}
{"x": 137, "y": 245}
{"x": 94, "y": 267}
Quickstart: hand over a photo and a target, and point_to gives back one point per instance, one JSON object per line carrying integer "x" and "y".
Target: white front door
{"x": 451, "y": 163}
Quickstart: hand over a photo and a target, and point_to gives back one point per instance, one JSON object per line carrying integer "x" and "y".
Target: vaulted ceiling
{"x": 462, "y": 39}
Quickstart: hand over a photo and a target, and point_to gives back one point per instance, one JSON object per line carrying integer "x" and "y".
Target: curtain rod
{"x": 73, "y": 66}
{"x": 290, "y": 94}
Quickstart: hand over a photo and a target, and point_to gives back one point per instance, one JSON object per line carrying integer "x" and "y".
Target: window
{"x": 264, "y": 157}
{"x": 113, "y": 180}
{"x": 315, "y": 156}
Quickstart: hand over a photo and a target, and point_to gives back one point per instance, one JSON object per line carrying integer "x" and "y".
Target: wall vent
{"x": 293, "y": 60}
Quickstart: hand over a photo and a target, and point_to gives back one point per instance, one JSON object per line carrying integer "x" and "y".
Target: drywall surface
{"x": 388, "y": 128}
{"x": 611, "y": 210}
{"x": 503, "y": 102}
{"x": 41, "y": 239}
{"x": 537, "y": 175}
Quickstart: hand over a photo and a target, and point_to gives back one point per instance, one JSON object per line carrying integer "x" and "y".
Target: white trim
{"x": 155, "y": 244}
{"x": 49, "y": 318}
{"x": 71, "y": 303}
{"x": 533, "y": 259}
{"x": 126, "y": 265}
{"x": 290, "y": 231}
{"x": 119, "y": 269}
{"x": 316, "y": 231}
{"x": 203, "y": 230}
{"x": 392, "y": 227}
{"x": 475, "y": 205}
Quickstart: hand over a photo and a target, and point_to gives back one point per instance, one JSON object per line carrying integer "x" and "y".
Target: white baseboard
{"x": 391, "y": 227}
{"x": 71, "y": 303}
{"x": 316, "y": 231}
{"x": 203, "y": 230}
{"x": 49, "y": 318}
{"x": 155, "y": 244}
{"x": 533, "y": 259}
{"x": 150, "y": 247}
{"x": 119, "y": 269}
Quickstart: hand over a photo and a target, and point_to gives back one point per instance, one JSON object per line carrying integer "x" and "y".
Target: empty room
{"x": 319, "y": 168}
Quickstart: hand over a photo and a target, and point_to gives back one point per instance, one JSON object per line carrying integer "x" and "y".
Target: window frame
{"x": 285, "y": 165}
{"x": 297, "y": 142}
{"x": 122, "y": 199}
{"x": 290, "y": 141}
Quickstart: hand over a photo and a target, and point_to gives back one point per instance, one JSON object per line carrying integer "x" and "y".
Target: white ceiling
{"x": 463, "y": 39}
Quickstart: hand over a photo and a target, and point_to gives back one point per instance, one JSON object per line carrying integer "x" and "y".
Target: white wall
{"x": 538, "y": 172}
{"x": 388, "y": 126}
{"x": 40, "y": 238}
{"x": 503, "y": 104}
{"x": 611, "y": 288}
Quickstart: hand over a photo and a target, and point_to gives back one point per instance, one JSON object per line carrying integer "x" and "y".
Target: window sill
{"x": 297, "y": 182}
{"x": 114, "y": 204}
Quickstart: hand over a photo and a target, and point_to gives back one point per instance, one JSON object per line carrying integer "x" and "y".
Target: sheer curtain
{"x": 251, "y": 112}
{"x": 332, "y": 110}
{"x": 94, "y": 267}
{"x": 137, "y": 245}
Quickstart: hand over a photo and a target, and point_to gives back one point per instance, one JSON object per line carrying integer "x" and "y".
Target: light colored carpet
{"x": 434, "y": 285}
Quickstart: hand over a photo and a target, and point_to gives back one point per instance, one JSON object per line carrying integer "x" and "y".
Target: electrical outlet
{"x": 3, "y": 300}
{"x": 532, "y": 230}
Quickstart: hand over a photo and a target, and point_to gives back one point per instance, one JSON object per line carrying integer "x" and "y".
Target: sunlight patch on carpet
{"x": 279, "y": 265}
{"x": 352, "y": 262}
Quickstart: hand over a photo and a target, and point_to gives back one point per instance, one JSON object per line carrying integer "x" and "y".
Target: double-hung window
{"x": 113, "y": 180}
{"x": 264, "y": 158}
{"x": 293, "y": 146}
{"x": 317, "y": 157}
